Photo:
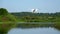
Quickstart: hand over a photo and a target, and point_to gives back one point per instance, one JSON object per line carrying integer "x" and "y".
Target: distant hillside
{"x": 35, "y": 14}
{"x": 38, "y": 17}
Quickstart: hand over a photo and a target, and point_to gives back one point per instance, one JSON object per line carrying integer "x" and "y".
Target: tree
{"x": 3, "y": 11}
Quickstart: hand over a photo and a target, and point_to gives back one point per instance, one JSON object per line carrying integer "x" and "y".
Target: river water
{"x": 39, "y": 30}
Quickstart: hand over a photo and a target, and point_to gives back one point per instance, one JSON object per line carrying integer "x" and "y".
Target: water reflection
{"x": 22, "y": 26}
{"x": 34, "y": 31}
{"x": 38, "y": 26}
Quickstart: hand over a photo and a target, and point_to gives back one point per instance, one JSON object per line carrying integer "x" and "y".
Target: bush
{"x": 3, "y": 11}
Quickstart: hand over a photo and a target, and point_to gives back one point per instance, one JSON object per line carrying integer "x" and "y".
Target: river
{"x": 34, "y": 30}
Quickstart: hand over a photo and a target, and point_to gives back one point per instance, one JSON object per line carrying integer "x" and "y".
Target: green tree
{"x": 3, "y": 11}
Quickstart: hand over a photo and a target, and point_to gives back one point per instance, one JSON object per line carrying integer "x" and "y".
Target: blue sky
{"x": 50, "y": 6}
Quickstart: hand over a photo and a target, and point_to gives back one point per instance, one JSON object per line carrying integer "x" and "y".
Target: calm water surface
{"x": 43, "y": 30}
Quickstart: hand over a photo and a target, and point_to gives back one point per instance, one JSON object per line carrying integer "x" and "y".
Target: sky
{"x": 45, "y": 6}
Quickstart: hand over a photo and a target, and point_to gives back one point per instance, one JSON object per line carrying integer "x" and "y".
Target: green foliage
{"x": 38, "y": 17}
{"x": 7, "y": 17}
{"x": 3, "y": 11}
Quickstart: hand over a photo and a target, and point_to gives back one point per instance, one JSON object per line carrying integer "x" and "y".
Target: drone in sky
{"x": 34, "y": 10}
